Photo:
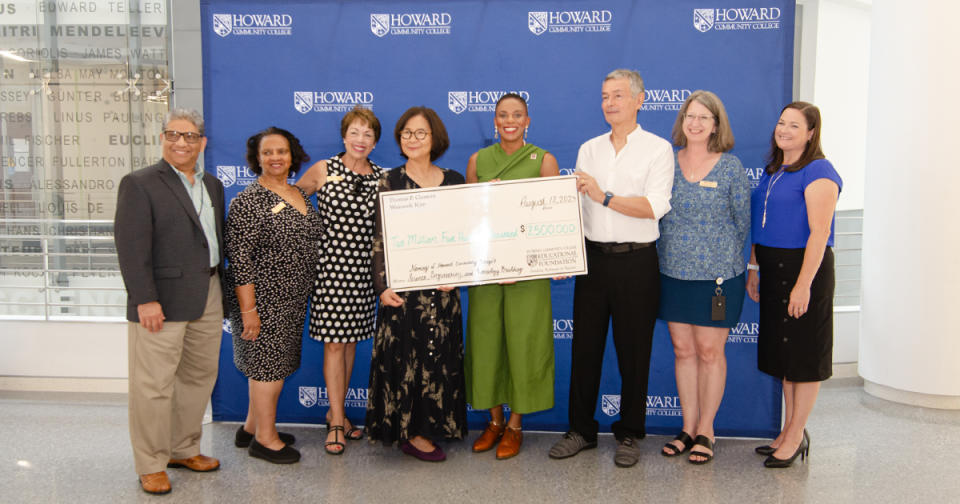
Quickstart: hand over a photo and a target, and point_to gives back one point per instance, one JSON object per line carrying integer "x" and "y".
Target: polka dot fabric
{"x": 343, "y": 302}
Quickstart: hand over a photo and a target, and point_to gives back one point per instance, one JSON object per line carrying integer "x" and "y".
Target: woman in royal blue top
{"x": 792, "y": 227}
{"x": 701, "y": 265}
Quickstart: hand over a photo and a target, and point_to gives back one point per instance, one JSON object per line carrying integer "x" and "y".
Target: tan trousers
{"x": 172, "y": 372}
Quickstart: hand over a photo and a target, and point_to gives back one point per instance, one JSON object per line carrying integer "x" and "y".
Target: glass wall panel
{"x": 84, "y": 87}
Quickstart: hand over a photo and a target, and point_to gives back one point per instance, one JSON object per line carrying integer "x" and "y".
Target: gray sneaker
{"x": 571, "y": 444}
{"x": 627, "y": 454}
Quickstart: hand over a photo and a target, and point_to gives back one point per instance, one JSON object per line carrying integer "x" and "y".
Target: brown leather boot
{"x": 491, "y": 435}
{"x": 510, "y": 444}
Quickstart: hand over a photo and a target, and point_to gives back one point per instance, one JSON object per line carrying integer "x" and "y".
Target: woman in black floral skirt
{"x": 417, "y": 393}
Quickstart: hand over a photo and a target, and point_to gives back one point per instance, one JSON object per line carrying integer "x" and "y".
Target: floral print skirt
{"x": 416, "y": 370}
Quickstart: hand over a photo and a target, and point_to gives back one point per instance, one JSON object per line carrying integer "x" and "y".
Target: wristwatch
{"x": 607, "y": 197}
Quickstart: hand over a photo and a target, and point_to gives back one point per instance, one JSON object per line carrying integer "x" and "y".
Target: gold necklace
{"x": 763, "y": 221}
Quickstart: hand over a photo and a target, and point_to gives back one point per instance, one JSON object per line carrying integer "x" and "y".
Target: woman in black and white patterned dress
{"x": 271, "y": 241}
{"x": 343, "y": 301}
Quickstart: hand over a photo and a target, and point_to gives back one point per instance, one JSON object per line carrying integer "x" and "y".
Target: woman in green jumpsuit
{"x": 509, "y": 343}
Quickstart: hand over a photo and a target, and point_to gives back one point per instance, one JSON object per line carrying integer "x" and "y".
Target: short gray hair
{"x": 636, "y": 82}
{"x": 187, "y": 115}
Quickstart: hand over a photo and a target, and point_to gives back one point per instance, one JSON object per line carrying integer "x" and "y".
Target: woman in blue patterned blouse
{"x": 701, "y": 253}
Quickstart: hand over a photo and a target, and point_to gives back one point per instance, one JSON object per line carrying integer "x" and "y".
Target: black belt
{"x": 618, "y": 248}
{"x": 213, "y": 270}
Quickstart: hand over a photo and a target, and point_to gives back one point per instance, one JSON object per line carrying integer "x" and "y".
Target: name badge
{"x": 712, "y": 184}
{"x": 533, "y": 155}
{"x": 280, "y": 206}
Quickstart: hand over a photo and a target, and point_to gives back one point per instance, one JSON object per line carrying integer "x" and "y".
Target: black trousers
{"x": 625, "y": 286}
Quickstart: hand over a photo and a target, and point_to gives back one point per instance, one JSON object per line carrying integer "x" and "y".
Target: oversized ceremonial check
{"x": 482, "y": 233}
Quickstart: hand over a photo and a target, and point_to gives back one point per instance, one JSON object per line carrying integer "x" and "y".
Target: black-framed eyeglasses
{"x": 420, "y": 134}
{"x": 189, "y": 136}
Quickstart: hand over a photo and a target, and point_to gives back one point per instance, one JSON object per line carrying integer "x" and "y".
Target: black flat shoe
{"x": 684, "y": 438}
{"x": 243, "y": 438}
{"x": 803, "y": 450}
{"x": 285, "y": 455}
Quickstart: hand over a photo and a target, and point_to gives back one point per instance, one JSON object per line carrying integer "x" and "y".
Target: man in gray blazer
{"x": 169, "y": 234}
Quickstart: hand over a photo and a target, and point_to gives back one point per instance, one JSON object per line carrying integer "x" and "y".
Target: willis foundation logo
{"x": 317, "y": 396}
{"x": 253, "y": 24}
{"x": 663, "y": 406}
{"x": 743, "y": 18}
{"x": 541, "y": 22}
{"x": 331, "y": 101}
{"x": 478, "y": 101}
{"x": 659, "y": 100}
{"x": 232, "y": 175}
{"x": 420, "y": 23}
{"x": 744, "y": 332}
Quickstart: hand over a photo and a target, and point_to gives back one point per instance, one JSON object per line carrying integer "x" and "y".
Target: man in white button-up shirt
{"x": 626, "y": 176}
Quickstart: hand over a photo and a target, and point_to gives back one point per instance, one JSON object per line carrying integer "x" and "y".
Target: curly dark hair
{"x": 298, "y": 155}
{"x": 439, "y": 140}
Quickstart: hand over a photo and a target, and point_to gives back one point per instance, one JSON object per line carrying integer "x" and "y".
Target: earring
{"x": 525, "y": 131}
{"x": 496, "y": 134}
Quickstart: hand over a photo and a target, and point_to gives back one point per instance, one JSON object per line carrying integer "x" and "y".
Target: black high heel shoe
{"x": 803, "y": 450}
{"x": 767, "y": 450}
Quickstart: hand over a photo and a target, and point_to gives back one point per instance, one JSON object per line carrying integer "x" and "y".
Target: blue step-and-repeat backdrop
{"x": 302, "y": 65}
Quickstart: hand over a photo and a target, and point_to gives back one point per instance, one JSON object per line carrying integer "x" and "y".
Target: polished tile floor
{"x": 75, "y": 448}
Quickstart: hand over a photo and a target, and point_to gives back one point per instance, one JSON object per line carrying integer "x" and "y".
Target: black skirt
{"x": 799, "y": 350}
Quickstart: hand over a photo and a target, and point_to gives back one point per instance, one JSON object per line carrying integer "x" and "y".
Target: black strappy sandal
{"x": 328, "y": 444}
{"x": 705, "y": 442}
{"x": 684, "y": 438}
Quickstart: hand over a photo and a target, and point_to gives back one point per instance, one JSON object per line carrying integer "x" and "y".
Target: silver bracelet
{"x": 754, "y": 267}
{"x": 250, "y": 310}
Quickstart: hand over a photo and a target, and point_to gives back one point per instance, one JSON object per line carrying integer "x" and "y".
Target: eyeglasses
{"x": 189, "y": 136}
{"x": 408, "y": 134}
{"x": 701, "y": 118}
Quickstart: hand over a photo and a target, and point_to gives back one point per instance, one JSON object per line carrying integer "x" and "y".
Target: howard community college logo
{"x": 235, "y": 175}
{"x": 610, "y": 404}
{"x": 252, "y": 24}
{"x": 478, "y": 101}
{"x": 562, "y": 328}
{"x": 540, "y": 22}
{"x": 317, "y": 396}
{"x": 308, "y": 396}
{"x": 744, "y": 332}
{"x": 663, "y": 406}
{"x": 415, "y": 23}
{"x": 222, "y": 24}
{"x": 754, "y": 175}
{"x": 743, "y": 18}
{"x": 331, "y": 101}
{"x": 664, "y": 99}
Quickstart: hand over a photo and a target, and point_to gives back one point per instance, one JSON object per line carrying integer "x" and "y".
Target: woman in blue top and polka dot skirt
{"x": 791, "y": 272}
{"x": 701, "y": 252}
